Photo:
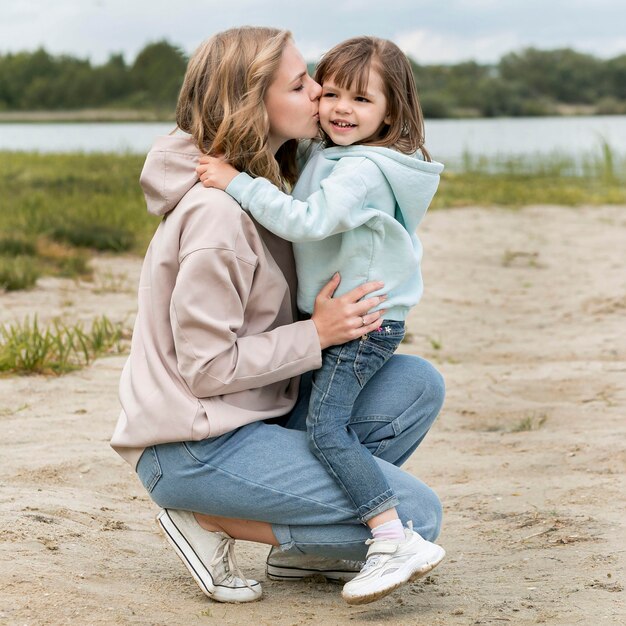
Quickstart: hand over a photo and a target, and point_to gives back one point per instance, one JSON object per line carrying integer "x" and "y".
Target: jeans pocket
{"x": 369, "y": 359}
{"x": 149, "y": 469}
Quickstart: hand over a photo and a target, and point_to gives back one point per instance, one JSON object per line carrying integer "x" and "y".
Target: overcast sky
{"x": 434, "y": 31}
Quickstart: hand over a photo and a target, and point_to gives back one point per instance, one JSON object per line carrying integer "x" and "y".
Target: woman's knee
{"x": 429, "y": 388}
{"x": 420, "y": 505}
{"x": 433, "y": 388}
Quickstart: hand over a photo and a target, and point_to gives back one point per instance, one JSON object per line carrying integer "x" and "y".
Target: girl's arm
{"x": 335, "y": 208}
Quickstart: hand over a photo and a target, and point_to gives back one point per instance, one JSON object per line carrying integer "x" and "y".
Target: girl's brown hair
{"x": 348, "y": 64}
{"x": 221, "y": 103}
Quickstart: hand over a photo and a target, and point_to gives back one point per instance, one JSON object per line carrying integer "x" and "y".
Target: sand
{"x": 525, "y": 315}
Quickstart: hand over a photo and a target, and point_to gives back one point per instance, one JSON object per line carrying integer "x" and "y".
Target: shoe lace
{"x": 225, "y": 554}
{"x": 371, "y": 562}
{"x": 374, "y": 558}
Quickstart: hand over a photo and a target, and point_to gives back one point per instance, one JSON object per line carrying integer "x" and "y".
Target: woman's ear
{"x": 387, "y": 119}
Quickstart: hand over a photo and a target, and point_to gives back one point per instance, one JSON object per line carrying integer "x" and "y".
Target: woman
{"x": 213, "y": 409}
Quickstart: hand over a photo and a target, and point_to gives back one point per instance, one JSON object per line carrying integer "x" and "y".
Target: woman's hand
{"x": 345, "y": 318}
{"x": 214, "y": 172}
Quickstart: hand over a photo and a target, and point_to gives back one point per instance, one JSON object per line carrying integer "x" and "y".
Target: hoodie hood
{"x": 169, "y": 172}
{"x": 413, "y": 180}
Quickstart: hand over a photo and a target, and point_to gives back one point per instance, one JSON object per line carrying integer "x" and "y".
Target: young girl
{"x": 354, "y": 210}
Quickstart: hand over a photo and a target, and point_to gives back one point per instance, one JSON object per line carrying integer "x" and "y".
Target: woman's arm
{"x": 335, "y": 208}
{"x": 213, "y": 359}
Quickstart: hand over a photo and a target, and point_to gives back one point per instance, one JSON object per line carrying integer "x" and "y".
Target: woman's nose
{"x": 316, "y": 90}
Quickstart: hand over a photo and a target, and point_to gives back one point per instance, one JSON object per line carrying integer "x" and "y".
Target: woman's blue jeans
{"x": 266, "y": 471}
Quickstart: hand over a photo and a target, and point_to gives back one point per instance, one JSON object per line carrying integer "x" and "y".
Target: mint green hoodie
{"x": 354, "y": 210}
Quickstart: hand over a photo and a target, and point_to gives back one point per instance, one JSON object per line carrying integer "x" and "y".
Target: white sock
{"x": 389, "y": 530}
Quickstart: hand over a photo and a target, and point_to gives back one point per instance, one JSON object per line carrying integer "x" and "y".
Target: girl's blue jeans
{"x": 345, "y": 370}
{"x": 266, "y": 471}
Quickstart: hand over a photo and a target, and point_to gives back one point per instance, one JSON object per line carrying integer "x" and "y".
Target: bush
{"x": 10, "y": 246}
{"x": 436, "y": 106}
{"x": 96, "y": 236}
{"x": 20, "y": 272}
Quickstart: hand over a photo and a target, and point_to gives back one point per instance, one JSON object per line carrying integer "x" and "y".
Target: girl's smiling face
{"x": 291, "y": 101}
{"x": 350, "y": 117}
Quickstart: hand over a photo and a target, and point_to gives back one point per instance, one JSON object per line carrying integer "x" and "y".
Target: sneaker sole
{"x": 381, "y": 593}
{"x": 192, "y": 562}
{"x": 291, "y": 574}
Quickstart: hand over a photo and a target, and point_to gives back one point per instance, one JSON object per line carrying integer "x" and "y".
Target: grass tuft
{"x": 26, "y": 348}
{"x": 63, "y": 260}
{"x": 20, "y": 272}
{"x": 98, "y": 237}
{"x": 530, "y": 422}
{"x": 14, "y": 246}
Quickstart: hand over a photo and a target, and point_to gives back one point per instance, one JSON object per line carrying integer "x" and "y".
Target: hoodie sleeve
{"x": 335, "y": 208}
{"x": 212, "y": 358}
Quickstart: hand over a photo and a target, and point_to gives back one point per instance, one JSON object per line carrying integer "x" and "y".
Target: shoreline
{"x": 84, "y": 116}
{"x": 147, "y": 116}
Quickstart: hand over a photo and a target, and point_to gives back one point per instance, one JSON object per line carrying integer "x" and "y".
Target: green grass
{"x": 11, "y": 246}
{"x": 26, "y": 348}
{"x": 18, "y": 272}
{"x": 595, "y": 179}
{"x": 55, "y": 209}
{"x": 81, "y": 200}
{"x": 22, "y": 262}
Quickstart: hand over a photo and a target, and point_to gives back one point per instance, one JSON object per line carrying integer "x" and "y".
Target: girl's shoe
{"x": 390, "y": 564}
{"x": 209, "y": 557}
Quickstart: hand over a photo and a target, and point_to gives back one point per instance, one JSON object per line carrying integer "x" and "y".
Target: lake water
{"x": 446, "y": 139}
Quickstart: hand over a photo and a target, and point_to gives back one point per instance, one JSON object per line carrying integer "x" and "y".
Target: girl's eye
{"x": 329, "y": 95}
{"x": 299, "y": 88}
{"x": 361, "y": 99}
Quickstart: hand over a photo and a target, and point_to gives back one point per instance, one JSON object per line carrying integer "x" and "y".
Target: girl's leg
{"x": 333, "y": 392}
{"x": 394, "y": 411}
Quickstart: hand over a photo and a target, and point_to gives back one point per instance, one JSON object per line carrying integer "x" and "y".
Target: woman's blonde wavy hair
{"x": 221, "y": 103}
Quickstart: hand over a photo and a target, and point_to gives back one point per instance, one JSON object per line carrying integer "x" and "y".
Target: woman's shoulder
{"x": 210, "y": 218}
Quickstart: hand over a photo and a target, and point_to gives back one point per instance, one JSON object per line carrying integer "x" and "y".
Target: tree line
{"x": 529, "y": 82}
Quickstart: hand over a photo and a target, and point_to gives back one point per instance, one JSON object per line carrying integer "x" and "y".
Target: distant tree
{"x": 529, "y": 82}
{"x": 113, "y": 80}
{"x": 464, "y": 81}
{"x": 430, "y": 78}
{"x": 19, "y": 71}
{"x": 616, "y": 77}
{"x": 68, "y": 86}
{"x": 564, "y": 75}
{"x": 158, "y": 73}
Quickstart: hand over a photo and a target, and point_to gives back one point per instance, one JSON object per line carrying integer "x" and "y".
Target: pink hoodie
{"x": 215, "y": 345}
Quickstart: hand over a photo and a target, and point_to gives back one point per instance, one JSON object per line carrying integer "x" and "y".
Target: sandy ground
{"x": 524, "y": 313}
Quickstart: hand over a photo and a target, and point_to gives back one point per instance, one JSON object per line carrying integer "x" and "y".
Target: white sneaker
{"x": 284, "y": 566}
{"x": 209, "y": 557}
{"x": 390, "y": 564}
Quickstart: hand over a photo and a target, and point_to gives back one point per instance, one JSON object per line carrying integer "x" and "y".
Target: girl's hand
{"x": 345, "y": 318}
{"x": 214, "y": 172}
